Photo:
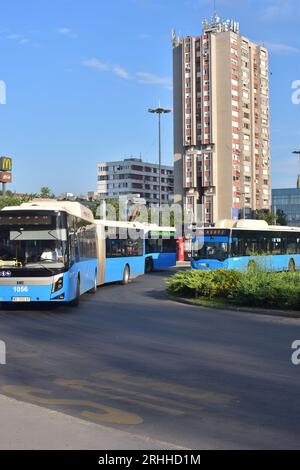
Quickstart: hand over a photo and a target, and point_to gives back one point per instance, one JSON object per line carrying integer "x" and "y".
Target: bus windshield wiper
{"x": 44, "y": 267}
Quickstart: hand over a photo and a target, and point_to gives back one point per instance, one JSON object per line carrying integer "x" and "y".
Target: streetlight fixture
{"x": 159, "y": 111}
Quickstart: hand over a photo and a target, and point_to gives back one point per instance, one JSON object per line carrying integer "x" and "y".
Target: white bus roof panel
{"x": 73, "y": 208}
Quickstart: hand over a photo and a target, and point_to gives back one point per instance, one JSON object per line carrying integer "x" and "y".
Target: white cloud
{"x": 278, "y": 9}
{"x": 14, "y": 37}
{"x": 19, "y": 38}
{"x": 281, "y": 48}
{"x": 66, "y": 32}
{"x": 24, "y": 41}
{"x": 121, "y": 72}
{"x": 144, "y": 36}
{"x": 98, "y": 65}
{"x": 144, "y": 78}
{"x": 147, "y": 78}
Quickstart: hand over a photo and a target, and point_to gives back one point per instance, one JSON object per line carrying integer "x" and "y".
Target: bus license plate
{"x": 21, "y": 299}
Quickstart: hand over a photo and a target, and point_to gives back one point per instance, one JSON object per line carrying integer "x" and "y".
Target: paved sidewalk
{"x": 25, "y": 426}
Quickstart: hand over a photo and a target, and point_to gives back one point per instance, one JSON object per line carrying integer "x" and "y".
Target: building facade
{"x": 133, "y": 176}
{"x": 288, "y": 201}
{"x": 221, "y": 123}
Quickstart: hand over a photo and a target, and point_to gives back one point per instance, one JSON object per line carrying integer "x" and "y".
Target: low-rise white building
{"x": 133, "y": 176}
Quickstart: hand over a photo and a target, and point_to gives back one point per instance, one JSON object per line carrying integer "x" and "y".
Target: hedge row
{"x": 255, "y": 287}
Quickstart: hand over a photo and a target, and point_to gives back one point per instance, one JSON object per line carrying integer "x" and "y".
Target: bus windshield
{"x": 211, "y": 244}
{"x": 212, "y": 250}
{"x": 32, "y": 240}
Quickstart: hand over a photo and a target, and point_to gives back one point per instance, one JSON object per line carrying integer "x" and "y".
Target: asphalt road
{"x": 131, "y": 359}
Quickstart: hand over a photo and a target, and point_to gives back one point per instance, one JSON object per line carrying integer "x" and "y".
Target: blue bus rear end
{"x": 160, "y": 249}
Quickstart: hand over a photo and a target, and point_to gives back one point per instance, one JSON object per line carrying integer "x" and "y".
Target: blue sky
{"x": 81, "y": 74}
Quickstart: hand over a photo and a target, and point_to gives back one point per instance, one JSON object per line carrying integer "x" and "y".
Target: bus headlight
{"x": 58, "y": 282}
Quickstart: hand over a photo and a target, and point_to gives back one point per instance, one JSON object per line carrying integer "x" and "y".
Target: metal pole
{"x": 159, "y": 111}
{"x": 297, "y": 152}
{"x": 159, "y": 166}
{"x": 3, "y": 189}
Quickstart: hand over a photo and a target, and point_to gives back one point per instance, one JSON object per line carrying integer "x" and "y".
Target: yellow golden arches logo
{"x": 5, "y": 164}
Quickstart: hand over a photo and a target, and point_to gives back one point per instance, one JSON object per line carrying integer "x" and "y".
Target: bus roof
{"x": 251, "y": 224}
{"x": 157, "y": 228}
{"x": 73, "y": 208}
{"x": 116, "y": 223}
{"x": 137, "y": 225}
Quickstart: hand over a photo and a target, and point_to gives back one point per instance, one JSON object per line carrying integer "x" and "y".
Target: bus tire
{"x": 93, "y": 290}
{"x": 292, "y": 266}
{"x": 126, "y": 276}
{"x": 75, "y": 302}
{"x": 148, "y": 265}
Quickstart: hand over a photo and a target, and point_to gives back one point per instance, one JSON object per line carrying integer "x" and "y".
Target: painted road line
{"x": 87, "y": 387}
{"x": 142, "y": 395}
{"x": 108, "y": 414}
{"x": 210, "y": 397}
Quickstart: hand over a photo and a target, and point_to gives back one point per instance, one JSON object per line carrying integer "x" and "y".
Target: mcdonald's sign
{"x": 5, "y": 164}
{"x": 5, "y": 177}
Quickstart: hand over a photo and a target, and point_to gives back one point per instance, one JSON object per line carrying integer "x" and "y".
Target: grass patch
{"x": 255, "y": 288}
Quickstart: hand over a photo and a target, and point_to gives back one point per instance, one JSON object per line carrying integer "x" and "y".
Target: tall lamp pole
{"x": 297, "y": 152}
{"x": 159, "y": 111}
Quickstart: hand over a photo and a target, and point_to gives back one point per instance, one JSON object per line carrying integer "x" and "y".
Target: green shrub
{"x": 255, "y": 287}
{"x": 209, "y": 284}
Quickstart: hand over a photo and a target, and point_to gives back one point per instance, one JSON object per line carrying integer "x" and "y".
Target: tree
{"x": 12, "y": 200}
{"x": 281, "y": 217}
{"x": 272, "y": 218}
{"x": 268, "y": 216}
{"x": 94, "y": 208}
{"x": 46, "y": 193}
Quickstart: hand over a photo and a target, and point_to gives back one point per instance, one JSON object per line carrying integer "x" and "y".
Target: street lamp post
{"x": 297, "y": 152}
{"x": 159, "y": 111}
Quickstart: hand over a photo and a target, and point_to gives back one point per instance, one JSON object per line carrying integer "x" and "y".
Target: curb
{"x": 254, "y": 311}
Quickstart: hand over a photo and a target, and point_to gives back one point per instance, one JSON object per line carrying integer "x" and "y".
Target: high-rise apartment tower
{"x": 221, "y": 122}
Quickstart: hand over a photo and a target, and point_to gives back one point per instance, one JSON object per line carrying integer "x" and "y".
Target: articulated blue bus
{"x": 56, "y": 251}
{"x": 245, "y": 244}
{"x": 160, "y": 247}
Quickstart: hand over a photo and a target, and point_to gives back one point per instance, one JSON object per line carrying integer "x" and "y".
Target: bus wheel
{"x": 75, "y": 302}
{"x": 292, "y": 266}
{"x": 252, "y": 265}
{"x": 94, "y": 288}
{"x": 148, "y": 265}
{"x": 126, "y": 276}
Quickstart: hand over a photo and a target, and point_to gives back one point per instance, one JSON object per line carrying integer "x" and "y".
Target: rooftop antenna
{"x": 215, "y": 10}
{"x": 173, "y": 34}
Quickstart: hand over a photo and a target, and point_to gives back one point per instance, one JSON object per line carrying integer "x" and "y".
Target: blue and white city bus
{"x": 160, "y": 247}
{"x": 48, "y": 252}
{"x": 56, "y": 251}
{"x": 244, "y": 244}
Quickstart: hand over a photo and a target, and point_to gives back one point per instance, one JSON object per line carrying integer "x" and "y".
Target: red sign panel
{"x": 5, "y": 177}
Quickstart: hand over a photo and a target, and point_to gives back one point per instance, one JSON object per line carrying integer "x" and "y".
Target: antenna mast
{"x": 215, "y": 8}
